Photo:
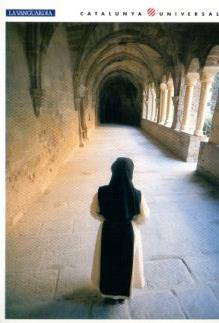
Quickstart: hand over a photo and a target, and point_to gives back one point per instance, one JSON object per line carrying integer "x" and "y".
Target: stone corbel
{"x": 37, "y": 41}
{"x": 37, "y": 96}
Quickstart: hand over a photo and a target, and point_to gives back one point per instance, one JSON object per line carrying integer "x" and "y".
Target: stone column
{"x": 82, "y": 92}
{"x": 160, "y": 107}
{"x": 153, "y": 105}
{"x": 214, "y": 134}
{"x": 169, "y": 117}
{"x": 175, "y": 123}
{"x": 149, "y": 101}
{"x": 164, "y": 91}
{"x": 191, "y": 80}
{"x": 147, "y": 107}
{"x": 156, "y": 117}
{"x": 144, "y": 105}
{"x": 206, "y": 82}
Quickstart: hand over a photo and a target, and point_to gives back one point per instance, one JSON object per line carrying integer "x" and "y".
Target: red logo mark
{"x": 151, "y": 12}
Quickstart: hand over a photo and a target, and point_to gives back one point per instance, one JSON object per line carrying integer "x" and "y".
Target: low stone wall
{"x": 208, "y": 161}
{"x": 183, "y": 145}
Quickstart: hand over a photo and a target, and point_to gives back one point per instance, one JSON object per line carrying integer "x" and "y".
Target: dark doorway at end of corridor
{"x": 119, "y": 102}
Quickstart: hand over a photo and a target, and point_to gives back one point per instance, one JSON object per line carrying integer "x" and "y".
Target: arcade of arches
{"x": 69, "y": 82}
{"x": 64, "y": 79}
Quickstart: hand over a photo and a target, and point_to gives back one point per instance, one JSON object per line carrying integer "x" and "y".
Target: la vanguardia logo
{"x": 30, "y": 12}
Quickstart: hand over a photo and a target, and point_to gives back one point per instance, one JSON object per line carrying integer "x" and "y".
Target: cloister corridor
{"x": 50, "y": 250}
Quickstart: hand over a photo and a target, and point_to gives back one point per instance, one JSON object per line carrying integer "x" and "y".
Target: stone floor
{"x": 49, "y": 252}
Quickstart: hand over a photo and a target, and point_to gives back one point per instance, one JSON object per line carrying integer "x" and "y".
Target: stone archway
{"x": 119, "y": 102}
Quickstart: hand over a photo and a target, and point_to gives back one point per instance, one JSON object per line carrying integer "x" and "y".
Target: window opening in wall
{"x": 211, "y": 106}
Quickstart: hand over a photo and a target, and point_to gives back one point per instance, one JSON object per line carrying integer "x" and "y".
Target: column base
{"x": 198, "y": 133}
{"x": 168, "y": 124}
{"x": 184, "y": 129}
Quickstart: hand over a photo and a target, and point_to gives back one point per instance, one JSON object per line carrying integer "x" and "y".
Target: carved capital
{"x": 163, "y": 86}
{"x": 207, "y": 77}
{"x": 191, "y": 79}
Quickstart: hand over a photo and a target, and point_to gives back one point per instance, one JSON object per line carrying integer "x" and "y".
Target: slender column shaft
{"x": 206, "y": 82}
{"x": 156, "y": 116}
{"x": 190, "y": 83}
{"x": 164, "y": 102}
{"x": 153, "y": 105}
{"x": 160, "y": 109}
{"x": 170, "y": 94}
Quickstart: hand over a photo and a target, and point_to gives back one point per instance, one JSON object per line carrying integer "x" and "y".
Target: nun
{"x": 118, "y": 259}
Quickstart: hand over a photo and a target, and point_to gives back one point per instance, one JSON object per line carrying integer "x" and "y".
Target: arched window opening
{"x": 212, "y": 99}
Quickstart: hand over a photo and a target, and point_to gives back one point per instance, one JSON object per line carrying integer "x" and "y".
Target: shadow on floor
{"x": 77, "y": 305}
{"x": 210, "y": 187}
{"x": 160, "y": 146}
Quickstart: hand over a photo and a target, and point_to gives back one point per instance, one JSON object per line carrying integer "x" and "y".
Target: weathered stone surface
{"x": 204, "y": 268}
{"x": 215, "y": 288}
{"x": 156, "y": 305}
{"x": 60, "y": 251}
{"x": 157, "y": 274}
{"x": 36, "y": 147}
{"x": 115, "y": 311}
{"x": 71, "y": 280}
{"x": 208, "y": 161}
{"x": 199, "y": 303}
{"x": 27, "y": 286}
{"x": 55, "y": 226}
{"x": 58, "y": 309}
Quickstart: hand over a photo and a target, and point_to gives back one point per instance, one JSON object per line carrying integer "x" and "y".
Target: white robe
{"x": 137, "y": 280}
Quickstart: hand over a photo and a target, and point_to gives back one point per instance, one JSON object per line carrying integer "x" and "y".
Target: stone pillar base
{"x": 208, "y": 161}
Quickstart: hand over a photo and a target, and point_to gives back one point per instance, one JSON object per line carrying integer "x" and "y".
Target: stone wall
{"x": 208, "y": 161}
{"x": 36, "y": 146}
{"x": 183, "y": 145}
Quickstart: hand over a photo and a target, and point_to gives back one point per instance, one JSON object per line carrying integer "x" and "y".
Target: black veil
{"x": 120, "y": 200}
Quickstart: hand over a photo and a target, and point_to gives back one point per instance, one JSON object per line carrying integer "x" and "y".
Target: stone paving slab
{"x": 156, "y": 305}
{"x": 205, "y": 268}
{"x": 61, "y": 257}
{"x": 215, "y": 288}
{"x": 198, "y": 303}
{"x": 166, "y": 274}
{"x": 23, "y": 254}
{"x": 57, "y": 226}
{"x": 25, "y": 286}
{"x": 117, "y": 311}
{"x": 157, "y": 248}
{"x": 59, "y": 310}
{"x": 50, "y": 250}
{"x": 71, "y": 279}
